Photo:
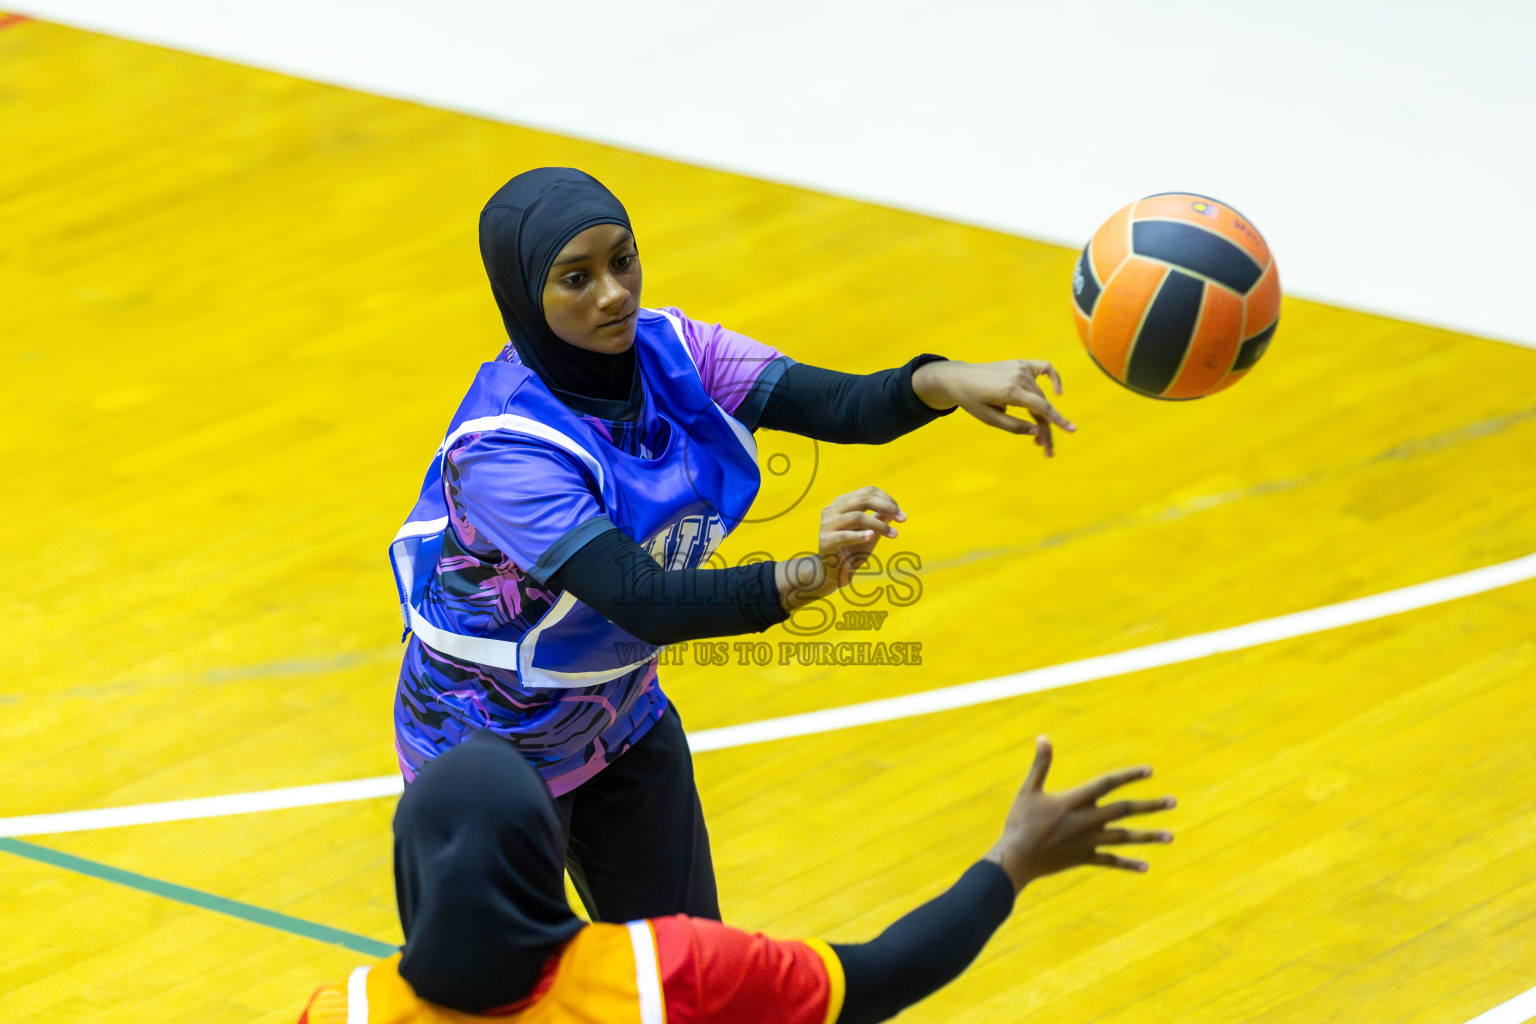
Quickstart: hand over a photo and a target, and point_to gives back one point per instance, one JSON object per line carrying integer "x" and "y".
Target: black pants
{"x": 638, "y": 845}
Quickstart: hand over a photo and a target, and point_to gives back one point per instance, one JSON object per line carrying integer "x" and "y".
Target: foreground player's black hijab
{"x": 522, "y": 229}
{"x": 479, "y": 877}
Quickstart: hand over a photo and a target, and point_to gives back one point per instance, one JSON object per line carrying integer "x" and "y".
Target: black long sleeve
{"x": 620, "y": 580}
{"x": 926, "y": 949}
{"x": 847, "y": 408}
{"x": 668, "y": 606}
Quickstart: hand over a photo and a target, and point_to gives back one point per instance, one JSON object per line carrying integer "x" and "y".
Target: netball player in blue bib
{"x": 558, "y": 540}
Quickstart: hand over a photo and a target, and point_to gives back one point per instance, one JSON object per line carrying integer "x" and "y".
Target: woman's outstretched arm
{"x": 874, "y": 408}
{"x": 1045, "y": 833}
{"x": 848, "y": 408}
{"x": 926, "y": 949}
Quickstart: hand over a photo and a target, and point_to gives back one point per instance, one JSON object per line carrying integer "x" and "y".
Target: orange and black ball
{"x": 1176, "y": 296}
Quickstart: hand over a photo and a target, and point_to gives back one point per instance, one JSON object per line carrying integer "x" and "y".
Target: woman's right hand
{"x": 851, "y": 526}
{"x": 1050, "y": 832}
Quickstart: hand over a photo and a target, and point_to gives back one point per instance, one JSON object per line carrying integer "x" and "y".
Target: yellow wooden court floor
{"x": 236, "y": 311}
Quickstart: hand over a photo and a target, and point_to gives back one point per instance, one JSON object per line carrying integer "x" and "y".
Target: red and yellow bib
{"x": 612, "y": 974}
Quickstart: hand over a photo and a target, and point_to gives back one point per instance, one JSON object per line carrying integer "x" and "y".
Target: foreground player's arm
{"x": 879, "y": 407}
{"x": 760, "y": 386}
{"x": 1044, "y": 833}
{"x": 986, "y": 390}
{"x": 620, "y": 580}
{"x": 849, "y": 408}
{"x": 534, "y": 504}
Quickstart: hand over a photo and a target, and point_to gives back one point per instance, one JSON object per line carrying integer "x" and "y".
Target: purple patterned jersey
{"x": 518, "y": 507}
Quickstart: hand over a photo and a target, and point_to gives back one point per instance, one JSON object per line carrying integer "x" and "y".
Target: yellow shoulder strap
{"x": 835, "y": 978}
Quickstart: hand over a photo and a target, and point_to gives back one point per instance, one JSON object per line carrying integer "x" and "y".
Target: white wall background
{"x": 1386, "y": 148}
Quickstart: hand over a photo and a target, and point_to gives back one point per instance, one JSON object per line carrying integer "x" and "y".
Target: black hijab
{"x": 479, "y": 877}
{"x": 522, "y": 229}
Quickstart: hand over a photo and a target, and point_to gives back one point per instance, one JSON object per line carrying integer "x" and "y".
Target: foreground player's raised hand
{"x": 851, "y": 525}
{"x": 1050, "y": 832}
{"x": 986, "y": 390}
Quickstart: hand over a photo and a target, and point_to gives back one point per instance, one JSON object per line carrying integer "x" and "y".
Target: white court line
{"x": 1517, "y": 1011}
{"x": 1137, "y": 659}
{"x": 202, "y": 807}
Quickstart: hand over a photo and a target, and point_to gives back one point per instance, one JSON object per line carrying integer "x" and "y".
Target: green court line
{"x": 196, "y": 898}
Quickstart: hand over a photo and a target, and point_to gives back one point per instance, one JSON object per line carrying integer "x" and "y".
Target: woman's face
{"x": 592, "y": 294}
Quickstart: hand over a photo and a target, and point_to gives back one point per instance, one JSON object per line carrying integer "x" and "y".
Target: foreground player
{"x": 563, "y": 532}
{"x": 479, "y": 850}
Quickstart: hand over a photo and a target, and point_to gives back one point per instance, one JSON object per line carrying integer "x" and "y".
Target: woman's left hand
{"x": 986, "y": 390}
